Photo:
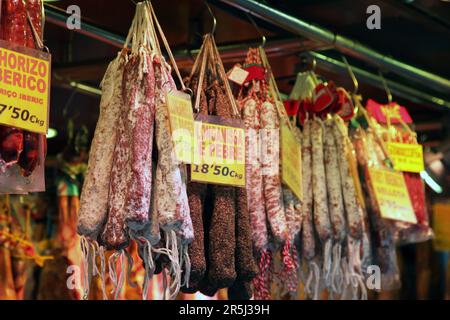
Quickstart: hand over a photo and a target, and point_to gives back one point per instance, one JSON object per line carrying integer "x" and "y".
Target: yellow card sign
{"x": 392, "y": 195}
{"x": 219, "y": 153}
{"x": 291, "y": 162}
{"x": 181, "y": 121}
{"x": 24, "y": 88}
{"x": 441, "y": 226}
{"x": 406, "y": 157}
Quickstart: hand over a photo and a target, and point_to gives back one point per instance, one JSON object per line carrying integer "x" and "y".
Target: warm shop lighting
{"x": 52, "y": 133}
{"x": 86, "y": 88}
{"x": 430, "y": 182}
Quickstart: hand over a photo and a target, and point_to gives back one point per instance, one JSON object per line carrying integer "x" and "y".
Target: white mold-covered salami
{"x": 334, "y": 188}
{"x": 308, "y": 243}
{"x": 139, "y": 127}
{"x": 270, "y": 159}
{"x": 355, "y": 219}
{"x": 319, "y": 183}
{"x": 94, "y": 196}
{"x": 254, "y": 182}
{"x": 171, "y": 197}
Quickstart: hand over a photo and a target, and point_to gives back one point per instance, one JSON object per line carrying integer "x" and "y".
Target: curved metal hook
{"x": 253, "y": 22}
{"x": 352, "y": 75}
{"x": 213, "y": 17}
{"x": 386, "y": 88}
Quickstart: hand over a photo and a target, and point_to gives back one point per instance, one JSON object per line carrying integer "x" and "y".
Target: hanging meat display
{"x": 220, "y": 213}
{"x": 393, "y": 126}
{"x": 116, "y": 204}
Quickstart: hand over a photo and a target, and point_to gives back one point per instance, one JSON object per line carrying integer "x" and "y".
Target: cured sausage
{"x": 322, "y": 220}
{"x": 254, "y": 182}
{"x": 246, "y": 267}
{"x": 308, "y": 243}
{"x": 222, "y": 239}
{"x": 334, "y": 188}
{"x": 354, "y": 218}
{"x": 115, "y": 235}
{"x": 139, "y": 126}
{"x": 270, "y": 163}
{"x": 94, "y": 195}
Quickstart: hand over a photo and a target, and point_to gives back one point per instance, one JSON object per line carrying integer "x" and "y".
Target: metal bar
{"x": 374, "y": 80}
{"x": 184, "y": 57}
{"x": 60, "y": 18}
{"x": 231, "y": 52}
{"x": 343, "y": 44}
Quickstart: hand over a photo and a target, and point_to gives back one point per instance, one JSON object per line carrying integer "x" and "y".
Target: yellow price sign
{"x": 392, "y": 195}
{"x": 24, "y": 87}
{"x": 291, "y": 162}
{"x": 219, "y": 152}
{"x": 406, "y": 157}
{"x": 181, "y": 121}
{"x": 441, "y": 226}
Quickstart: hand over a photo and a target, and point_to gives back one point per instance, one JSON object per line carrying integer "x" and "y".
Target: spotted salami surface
{"x": 322, "y": 221}
{"x": 254, "y": 182}
{"x": 270, "y": 166}
{"x": 94, "y": 196}
{"x": 334, "y": 187}
{"x": 354, "y": 216}
{"x": 308, "y": 248}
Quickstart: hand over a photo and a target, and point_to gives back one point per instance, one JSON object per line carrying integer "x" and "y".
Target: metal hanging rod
{"x": 237, "y": 51}
{"x": 398, "y": 89}
{"x": 343, "y": 44}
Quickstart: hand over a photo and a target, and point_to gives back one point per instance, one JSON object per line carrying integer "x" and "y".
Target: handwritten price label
{"x": 291, "y": 162}
{"x": 406, "y": 157}
{"x": 392, "y": 195}
{"x": 181, "y": 121}
{"x": 219, "y": 153}
{"x": 24, "y": 88}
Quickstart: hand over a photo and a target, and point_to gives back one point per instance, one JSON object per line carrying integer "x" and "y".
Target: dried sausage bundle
{"x": 250, "y": 103}
{"x": 353, "y": 208}
{"x": 322, "y": 221}
{"x": 335, "y": 204}
{"x": 272, "y": 117}
{"x": 125, "y": 197}
{"x": 308, "y": 244}
{"x": 370, "y": 154}
{"x": 224, "y": 259}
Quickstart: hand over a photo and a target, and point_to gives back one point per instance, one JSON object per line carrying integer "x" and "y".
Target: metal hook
{"x": 352, "y": 75}
{"x": 213, "y": 17}
{"x": 263, "y": 37}
{"x": 386, "y": 88}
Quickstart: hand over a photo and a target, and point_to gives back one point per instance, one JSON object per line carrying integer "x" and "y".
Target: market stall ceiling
{"x": 416, "y": 32}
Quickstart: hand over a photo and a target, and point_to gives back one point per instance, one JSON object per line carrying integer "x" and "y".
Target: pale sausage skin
{"x": 334, "y": 187}
{"x": 322, "y": 221}
{"x": 93, "y": 210}
{"x": 270, "y": 163}
{"x": 308, "y": 242}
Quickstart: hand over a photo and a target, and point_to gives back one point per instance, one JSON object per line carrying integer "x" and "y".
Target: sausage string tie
{"x": 86, "y": 266}
{"x": 355, "y": 269}
{"x": 101, "y": 251}
{"x": 185, "y": 262}
{"x": 327, "y": 262}
{"x": 130, "y": 263}
{"x": 313, "y": 277}
{"x": 149, "y": 266}
{"x": 337, "y": 280}
{"x": 117, "y": 280}
{"x": 98, "y": 251}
